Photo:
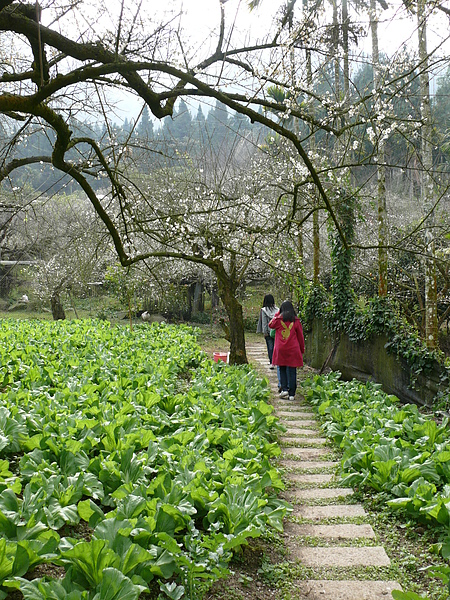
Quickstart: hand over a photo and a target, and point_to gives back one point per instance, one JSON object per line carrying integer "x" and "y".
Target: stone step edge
{"x": 340, "y": 556}
{"x": 347, "y": 589}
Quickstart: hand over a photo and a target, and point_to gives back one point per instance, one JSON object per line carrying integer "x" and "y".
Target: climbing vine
{"x": 378, "y": 316}
{"x": 317, "y": 305}
{"x": 381, "y": 316}
{"x": 341, "y": 260}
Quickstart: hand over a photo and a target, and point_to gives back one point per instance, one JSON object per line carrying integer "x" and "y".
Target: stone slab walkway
{"x": 338, "y": 549}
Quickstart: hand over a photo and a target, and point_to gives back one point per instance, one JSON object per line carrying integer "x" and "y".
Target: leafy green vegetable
{"x": 163, "y": 455}
{"x": 50, "y": 590}
{"x": 397, "y": 451}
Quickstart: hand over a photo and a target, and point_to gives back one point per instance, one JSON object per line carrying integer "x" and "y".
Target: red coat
{"x": 289, "y": 342}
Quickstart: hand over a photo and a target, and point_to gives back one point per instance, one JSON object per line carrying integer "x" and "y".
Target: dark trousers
{"x": 270, "y": 342}
{"x": 288, "y": 379}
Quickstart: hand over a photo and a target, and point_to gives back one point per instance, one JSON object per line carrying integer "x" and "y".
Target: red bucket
{"x": 220, "y": 356}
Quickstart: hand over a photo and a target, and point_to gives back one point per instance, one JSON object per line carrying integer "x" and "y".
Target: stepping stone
{"x": 346, "y": 531}
{"x": 347, "y": 590}
{"x": 284, "y": 408}
{"x": 307, "y": 465}
{"x": 296, "y": 405}
{"x": 301, "y": 432}
{"x": 304, "y": 441}
{"x": 299, "y": 423}
{"x": 314, "y": 478}
{"x": 295, "y": 408}
{"x": 306, "y": 453}
{"x": 293, "y": 413}
{"x": 331, "y": 511}
{"x": 319, "y": 493}
{"x": 339, "y": 556}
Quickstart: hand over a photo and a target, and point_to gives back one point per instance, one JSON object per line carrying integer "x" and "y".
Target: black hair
{"x": 269, "y": 301}
{"x": 287, "y": 311}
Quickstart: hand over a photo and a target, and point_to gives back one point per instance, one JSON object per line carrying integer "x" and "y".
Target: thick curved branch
{"x": 15, "y": 21}
{"x": 96, "y": 53}
{"x": 443, "y": 9}
{"x": 17, "y": 163}
{"x": 31, "y": 13}
{"x": 62, "y": 144}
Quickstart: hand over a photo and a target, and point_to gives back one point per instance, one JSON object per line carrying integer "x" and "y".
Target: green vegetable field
{"x": 391, "y": 448}
{"x": 131, "y": 465}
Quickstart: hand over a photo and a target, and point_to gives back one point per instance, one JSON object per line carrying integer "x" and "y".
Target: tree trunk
{"x": 227, "y": 293}
{"x": 73, "y": 305}
{"x": 336, "y": 61}
{"x": 189, "y": 299}
{"x": 312, "y": 146}
{"x": 198, "y": 302}
{"x": 214, "y": 298}
{"x": 345, "y": 46}
{"x": 382, "y": 223}
{"x": 295, "y": 128}
{"x": 57, "y": 308}
{"x": 342, "y": 254}
{"x": 195, "y": 298}
{"x": 381, "y": 168}
{"x": 428, "y": 195}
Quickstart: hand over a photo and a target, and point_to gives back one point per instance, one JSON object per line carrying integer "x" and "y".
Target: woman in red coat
{"x": 289, "y": 347}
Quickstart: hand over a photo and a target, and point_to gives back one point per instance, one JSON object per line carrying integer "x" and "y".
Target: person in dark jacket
{"x": 266, "y": 314}
{"x": 289, "y": 347}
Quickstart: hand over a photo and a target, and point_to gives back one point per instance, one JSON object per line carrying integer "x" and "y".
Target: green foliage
{"x": 250, "y": 322}
{"x": 162, "y": 454}
{"x": 390, "y": 448}
{"x": 127, "y": 284}
{"x": 443, "y": 572}
{"x": 398, "y": 595}
{"x": 317, "y": 305}
{"x": 341, "y": 260}
{"x": 379, "y": 316}
{"x": 200, "y": 317}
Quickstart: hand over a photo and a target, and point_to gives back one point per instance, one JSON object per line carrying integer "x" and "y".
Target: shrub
{"x": 250, "y": 323}
{"x": 201, "y": 317}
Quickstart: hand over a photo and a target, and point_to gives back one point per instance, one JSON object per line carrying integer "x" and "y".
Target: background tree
{"x": 69, "y": 248}
{"x": 427, "y": 184}
{"x": 145, "y": 125}
{"x": 60, "y": 73}
{"x": 381, "y": 158}
{"x": 216, "y": 214}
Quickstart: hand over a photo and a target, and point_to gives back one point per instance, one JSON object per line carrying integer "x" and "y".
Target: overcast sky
{"x": 397, "y": 28}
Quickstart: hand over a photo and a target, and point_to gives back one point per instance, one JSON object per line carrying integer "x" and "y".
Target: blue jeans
{"x": 288, "y": 379}
{"x": 270, "y": 342}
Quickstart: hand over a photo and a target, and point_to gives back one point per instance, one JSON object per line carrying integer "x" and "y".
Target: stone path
{"x": 340, "y": 548}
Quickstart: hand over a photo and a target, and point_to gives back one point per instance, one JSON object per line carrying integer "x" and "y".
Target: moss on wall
{"x": 369, "y": 360}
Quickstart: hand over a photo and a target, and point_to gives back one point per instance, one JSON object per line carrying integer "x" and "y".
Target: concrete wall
{"x": 369, "y": 360}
